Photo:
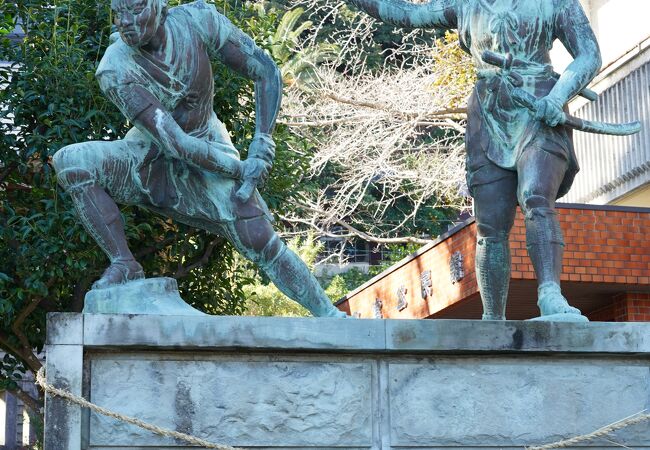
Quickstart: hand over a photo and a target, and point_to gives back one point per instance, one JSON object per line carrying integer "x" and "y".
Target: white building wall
{"x": 619, "y": 25}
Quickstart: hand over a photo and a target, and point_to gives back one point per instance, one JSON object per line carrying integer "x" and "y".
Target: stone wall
{"x": 282, "y": 383}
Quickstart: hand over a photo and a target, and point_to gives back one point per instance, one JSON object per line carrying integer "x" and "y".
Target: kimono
{"x": 498, "y": 130}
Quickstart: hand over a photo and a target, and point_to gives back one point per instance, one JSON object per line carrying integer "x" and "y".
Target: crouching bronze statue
{"x": 178, "y": 159}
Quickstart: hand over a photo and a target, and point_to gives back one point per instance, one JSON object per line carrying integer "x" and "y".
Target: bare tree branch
{"x": 29, "y": 357}
{"x": 184, "y": 270}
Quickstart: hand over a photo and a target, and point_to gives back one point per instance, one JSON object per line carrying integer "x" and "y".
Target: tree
{"x": 389, "y": 150}
{"x": 295, "y": 64}
{"x": 50, "y": 99}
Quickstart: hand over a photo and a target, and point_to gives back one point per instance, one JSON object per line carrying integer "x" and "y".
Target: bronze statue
{"x": 513, "y": 156}
{"x": 178, "y": 159}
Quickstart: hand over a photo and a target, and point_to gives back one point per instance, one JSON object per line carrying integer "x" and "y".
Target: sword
{"x": 245, "y": 192}
{"x": 529, "y": 101}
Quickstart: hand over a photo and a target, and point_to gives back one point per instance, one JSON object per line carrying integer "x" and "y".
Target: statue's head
{"x": 138, "y": 20}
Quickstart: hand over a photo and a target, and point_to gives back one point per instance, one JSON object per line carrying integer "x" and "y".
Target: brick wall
{"x": 603, "y": 245}
{"x": 625, "y": 307}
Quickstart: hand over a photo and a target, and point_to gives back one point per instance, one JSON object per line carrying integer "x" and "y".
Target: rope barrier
{"x": 601, "y": 432}
{"x": 69, "y": 396}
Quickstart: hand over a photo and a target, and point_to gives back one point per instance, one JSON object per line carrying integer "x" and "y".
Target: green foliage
{"x": 296, "y": 64}
{"x": 7, "y": 21}
{"x": 346, "y": 282}
{"x": 457, "y": 68}
{"x": 337, "y": 288}
{"x": 264, "y": 299}
{"x": 51, "y": 99}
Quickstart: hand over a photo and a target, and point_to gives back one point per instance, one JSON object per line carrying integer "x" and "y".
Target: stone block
{"x": 325, "y": 384}
{"x": 512, "y": 401}
{"x": 243, "y": 403}
{"x": 225, "y": 332}
{"x": 63, "y": 420}
{"x": 516, "y": 336}
{"x": 64, "y": 329}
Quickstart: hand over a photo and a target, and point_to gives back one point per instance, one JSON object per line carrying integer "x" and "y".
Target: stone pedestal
{"x": 280, "y": 383}
{"x": 157, "y": 296}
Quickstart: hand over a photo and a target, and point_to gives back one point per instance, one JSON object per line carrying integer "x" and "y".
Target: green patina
{"x": 519, "y": 139}
{"x": 178, "y": 159}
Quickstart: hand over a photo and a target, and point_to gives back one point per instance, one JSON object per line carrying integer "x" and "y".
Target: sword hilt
{"x": 506, "y": 61}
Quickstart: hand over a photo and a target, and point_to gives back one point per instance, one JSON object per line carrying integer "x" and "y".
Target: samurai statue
{"x": 518, "y": 136}
{"x": 178, "y": 159}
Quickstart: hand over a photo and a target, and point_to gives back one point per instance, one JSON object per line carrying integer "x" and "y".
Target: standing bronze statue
{"x": 178, "y": 159}
{"x": 515, "y": 156}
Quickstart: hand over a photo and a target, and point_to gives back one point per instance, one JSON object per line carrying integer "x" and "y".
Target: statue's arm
{"x": 434, "y": 14}
{"x": 154, "y": 120}
{"x": 240, "y": 54}
{"x": 574, "y": 31}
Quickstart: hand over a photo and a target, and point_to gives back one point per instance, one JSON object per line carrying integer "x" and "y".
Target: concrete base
{"x": 320, "y": 383}
{"x": 562, "y": 317}
{"x": 158, "y": 296}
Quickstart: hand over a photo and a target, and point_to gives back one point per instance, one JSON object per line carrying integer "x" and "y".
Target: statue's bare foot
{"x": 551, "y": 301}
{"x": 335, "y": 312}
{"x": 119, "y": 272}
{"x": 340, "y": 314}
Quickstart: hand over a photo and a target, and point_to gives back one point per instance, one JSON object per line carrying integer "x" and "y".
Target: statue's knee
{"x": 74, "y": 178}
{"x": 64, "y": 158}
{"x": 489, "y": 231}
{"x": 70, "y": 173}
{"x": 543, "y": 226}
{"x": 529, "y": 202}
{"x": 271, "y": 252}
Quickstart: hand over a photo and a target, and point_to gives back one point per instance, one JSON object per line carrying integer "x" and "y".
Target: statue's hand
{"x": 255, "y": 169}
{"x": 262, "y": 147}
{"x": 550, "y": 111}
{"x": 253, "y": 172}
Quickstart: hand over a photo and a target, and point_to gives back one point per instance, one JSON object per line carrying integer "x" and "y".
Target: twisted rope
{"x": 72, "y": 398}
{"x": 601, "y": 432}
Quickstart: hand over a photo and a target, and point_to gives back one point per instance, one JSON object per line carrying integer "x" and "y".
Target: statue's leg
{"x": 540, "y": 175}
{"x": 97, "y": 211}
{"x": 256, "y": 240}
{"x": 495, "y": 205}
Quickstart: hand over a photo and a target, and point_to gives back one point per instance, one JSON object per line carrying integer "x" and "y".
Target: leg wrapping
{"x": 545, "y": 243}
{"x": 493, "y": 275}
{"x": 97, "y": 212}
{"x": 293, "y": 278}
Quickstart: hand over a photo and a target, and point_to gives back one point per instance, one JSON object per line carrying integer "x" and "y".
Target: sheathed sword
{"x": 529, "y": 101}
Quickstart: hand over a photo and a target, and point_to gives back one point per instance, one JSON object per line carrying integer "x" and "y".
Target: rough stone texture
{"x": 517, "y": 336}
{"x": 62, "y": 420}
{"x": 279, "y": 383}
{"x": 245, "y": 403}
{"x": 512, "y": 401}
{"x": 64, "y": 329}
{"x": 157, "y": 296}
{"x": 224, "y": 332}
